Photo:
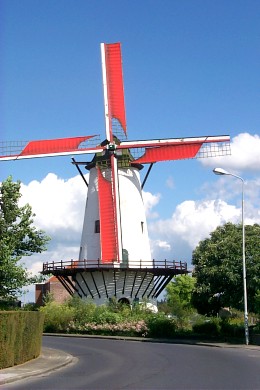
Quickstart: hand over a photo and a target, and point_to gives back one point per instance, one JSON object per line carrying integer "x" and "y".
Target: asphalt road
{"x": 118, "y": 364}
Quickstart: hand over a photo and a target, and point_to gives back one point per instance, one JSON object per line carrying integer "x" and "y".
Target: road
{"x": 118, "y": 364}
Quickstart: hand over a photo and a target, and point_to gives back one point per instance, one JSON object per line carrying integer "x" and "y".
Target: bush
{"x": 257, "y": 327}
{"x": 125, "y": 328}
{"x": 84, "y": 311}
{"x": 232, "y": 328}
{"x": 31, "y": 306}
{"x": 107, "y": 317}
{"x": 160, "y": 326}
{"x": 210, "y": 327}
{"x": 20, "y": 336}
{"x": 57, "y": 317}
{"x": 77, "y": 316}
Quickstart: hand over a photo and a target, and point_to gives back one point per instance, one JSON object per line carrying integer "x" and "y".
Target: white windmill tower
{"x": 115, "y": 257}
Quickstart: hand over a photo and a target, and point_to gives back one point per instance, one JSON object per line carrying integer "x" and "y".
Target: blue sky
{"x": 191, "y": 68}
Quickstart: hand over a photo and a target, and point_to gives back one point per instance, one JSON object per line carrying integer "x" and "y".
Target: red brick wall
{"x": 52, "y": 286}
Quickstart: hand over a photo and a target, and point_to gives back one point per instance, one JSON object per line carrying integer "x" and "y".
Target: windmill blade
{"x": 151, "y": 151}
{"x": 113, "y": 91}
{"x": 49, "y": 148}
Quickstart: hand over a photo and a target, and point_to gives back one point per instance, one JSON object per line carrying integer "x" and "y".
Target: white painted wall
{"x": 133, "y": 220}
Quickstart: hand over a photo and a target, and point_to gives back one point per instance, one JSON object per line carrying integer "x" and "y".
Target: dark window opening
{"x": 142, "y": 226}
{"x": 97, "y": 226}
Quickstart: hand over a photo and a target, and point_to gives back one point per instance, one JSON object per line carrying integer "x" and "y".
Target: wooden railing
{"x": 136, "y": 264}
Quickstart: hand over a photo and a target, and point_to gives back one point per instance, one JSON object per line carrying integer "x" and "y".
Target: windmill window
{"x": 97, "y": 226}
{"x": 142, "y": 226}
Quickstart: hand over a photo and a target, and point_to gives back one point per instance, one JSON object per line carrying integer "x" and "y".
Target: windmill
{"x": 115, "y": 258}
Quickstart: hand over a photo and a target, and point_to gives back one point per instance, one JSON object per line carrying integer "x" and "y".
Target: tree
{"x": 179, "y": 294}
{"x": 218, "y": 269}
{"x": 18, "y": 238}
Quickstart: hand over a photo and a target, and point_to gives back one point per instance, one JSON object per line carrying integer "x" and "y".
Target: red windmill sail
{"x": 48, "y": 148}
{"x": 113, "y": 89}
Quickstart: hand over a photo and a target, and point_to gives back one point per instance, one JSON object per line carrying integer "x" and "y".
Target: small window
{"x": 97, "y": 226}
{"x": 142, "y": 226}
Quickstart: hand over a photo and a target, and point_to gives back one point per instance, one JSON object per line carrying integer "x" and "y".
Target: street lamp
{"x": 220, "y": 171}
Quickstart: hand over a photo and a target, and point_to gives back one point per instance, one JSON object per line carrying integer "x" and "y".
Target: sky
{"x": 191, "y": 68}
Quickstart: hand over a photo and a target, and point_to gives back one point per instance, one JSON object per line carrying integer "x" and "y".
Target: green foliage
{"x": 209, "y": 328}
{"x": 257, "y": 302}
{"x": 84, "y": 317}
{"x": 159, "y": 326}
{"x": 232, "y": 328}
{"x": 227, "y": 329}
{"x": 218, "y": 269}
{"x": 30, "y": 306}
{"x": 257, "y": 328}
{"x": 56, "y": 316}
{"x": 78, "y": 316}
{"x": 18, "y": 238}
{"x": 104, "y": 316}
{"x": 178, "y": 298}
{"x": 20, "y": 337}
{"x": 76, "y": 313}
{"x": 9, "y": 304}
{"x": 181, "y": 287}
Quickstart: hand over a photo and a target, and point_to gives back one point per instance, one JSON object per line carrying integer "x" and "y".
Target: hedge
{"x": 20, "y": 336}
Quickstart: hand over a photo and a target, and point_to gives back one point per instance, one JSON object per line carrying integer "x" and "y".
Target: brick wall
{"x": 52, "y": 286}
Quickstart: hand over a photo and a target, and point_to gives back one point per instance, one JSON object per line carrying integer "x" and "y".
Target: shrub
{"x": 57, "y": 317}
{"x": 210, "y": 327}
{"x": 232, "y": 328}
{"x": 160, "y": 326}
{"x": 31, "y": 306}
{"x": 120, "y": 329}
{"x": 257, "y": 327}
{"x": 20, "y": 336}
{"x": 84, "y": 311}
{"x": 105, "y": 316}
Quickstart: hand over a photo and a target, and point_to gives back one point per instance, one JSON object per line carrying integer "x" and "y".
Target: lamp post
{"x": 220, "y": 171}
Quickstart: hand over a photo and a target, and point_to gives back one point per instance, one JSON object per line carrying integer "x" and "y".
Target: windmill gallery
{"x": 114, "y": 257}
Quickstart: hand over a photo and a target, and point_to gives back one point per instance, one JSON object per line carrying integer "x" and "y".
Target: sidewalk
{"x": 53, "y": 359}
{"x": 49, "y": 360}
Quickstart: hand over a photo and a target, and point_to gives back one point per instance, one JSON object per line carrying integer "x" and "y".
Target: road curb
{"x": 206, "y": 343}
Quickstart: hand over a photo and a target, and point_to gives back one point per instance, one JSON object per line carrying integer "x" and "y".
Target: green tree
{"x": 218, "y": 269}
{"x": 18, "y": 238}
{"x": 179, "y": 295}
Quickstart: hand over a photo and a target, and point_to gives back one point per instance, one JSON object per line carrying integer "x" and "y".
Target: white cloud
{"x": 59, "y": 207}
{"x": 245, "y": 154}
{"x": 193, "y": 221}
{"x": 150, "y": 201}
{"x": 58, "y": 204}
{"x": 229, "y": 189}
{"x": 161, "y": 245}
